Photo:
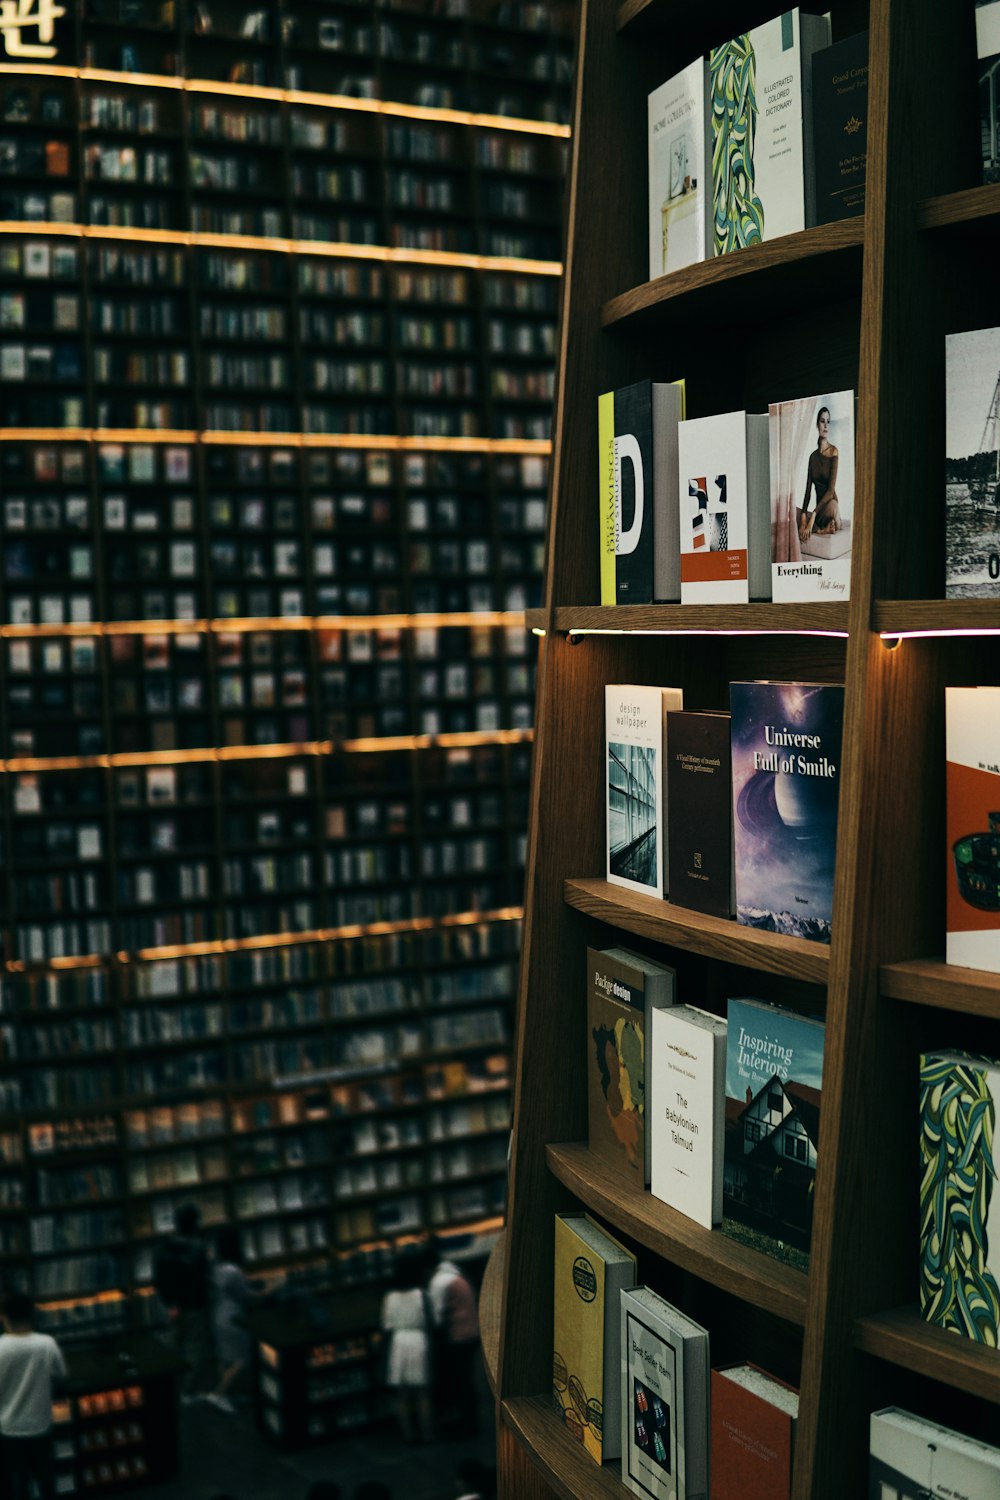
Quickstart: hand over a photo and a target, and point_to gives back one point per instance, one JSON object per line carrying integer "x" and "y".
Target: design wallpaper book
{"x": 972, "y": 794}
{"x": 724, "y": 509}
{"x": 700, "y": 812}
{"x": 786, "y": 780}
{"x": 840, "y": 127}
{"x": 988, "y": 54}
{"x": 677, "y": 231}
{"x": 959, "y": 1201}
{"x": 634, "y": 721}
{"x": 688, "y": 1064}
{"x": 812, "y": 497}
{"x": 754, "y": 1417}
{"x": 774, "y": 1078}
{"x": 591, "y": 1271}
{"x": 972, "y": 463}
{"x": 623, "y": 990}
{"x": 912, "y": 1459}
{"x": 760, "y": 130}
{"x": 664, "y": 1399}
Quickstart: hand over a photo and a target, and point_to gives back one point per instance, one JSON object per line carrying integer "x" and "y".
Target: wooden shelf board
{"x": 772, "y": 259}
{"x": 903, "y": 1338}
{"x": 972, "y": 204}
{"x": 713, "y": 937}
{"x": 930, "y": 981}
{"x": 568, "y": 1468}
{"x": 936, "y": 614}
{"x": 792, "y": 618}
{"x": 725, "y": 1263}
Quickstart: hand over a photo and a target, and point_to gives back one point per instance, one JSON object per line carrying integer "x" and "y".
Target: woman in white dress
{"x": 407, "y": 1324}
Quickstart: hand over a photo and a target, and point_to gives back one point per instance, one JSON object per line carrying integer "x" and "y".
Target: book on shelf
{"x": 664, "y": 1399}
{"x": 774, "y": 1079}
{"x": 988, "y": 55}
{"x": 724, "y": 508}
{"x": 591, "y": 1271}
{"x": 840, "y": 127}
{"x": 972, "y": 461}
{"x": 700, "y": 812}
{"x": 623, "y": 991}
{"x": 758, "y": 103}
{"x": 637, "y": 428}
{"x": 972, "y": 796}
{"x": 687, "y": 1107}
{"x": 786, "y": 781}
{"x": 754, "y": 1419}
{"x": 913, "y": 1459}
{"x": 959, "y": 1198}
{"x": 634, "y": 729}
{"x": 678, "y": 234}
{"x": 812, "y": 497}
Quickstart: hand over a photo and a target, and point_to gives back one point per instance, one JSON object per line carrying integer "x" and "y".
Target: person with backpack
{"x": 181, "y": 1277}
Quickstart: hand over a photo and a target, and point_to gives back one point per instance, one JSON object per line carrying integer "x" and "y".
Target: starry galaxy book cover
{"x": 786, "y": 786}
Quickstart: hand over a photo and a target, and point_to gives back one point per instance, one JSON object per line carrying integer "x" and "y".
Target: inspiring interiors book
{"x": 959, "y": 1197}
{"x": 677, "y": 232}
{"x": 760, "y": 130}
{"x": 774, "y": 1078}
{"x": 688, "y": 1066}
{"x": 786, "y": 784}
{"x": 972, "y": 464}
{"x": 913, "y": 1459}
{"x": 724, "y": 509}
{"x": 972, "y": 794}
{"x": 664, "y": 1399}
{"x": 812, "y": 497}
{"x": 754, "y": 1418}
{"x": 591, "y": 1271}
{"x": 634, "y": 720}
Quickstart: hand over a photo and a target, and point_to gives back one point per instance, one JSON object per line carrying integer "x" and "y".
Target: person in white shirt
{"x": 30, "y": 1364}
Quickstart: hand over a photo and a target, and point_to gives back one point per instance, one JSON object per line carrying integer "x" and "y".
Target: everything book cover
{"x": 634, "y": 721}
{"x": 677, "y": 172}
{"x": 664, "y": 1399}
{"x": 774, "y": 1078}
{"x": 913, "y": 1459}
{"x": 786, "y": 782}
{"x": 812, "y": 497}
{"x": 972, "y": 463}
{"x": 972, "y": 798}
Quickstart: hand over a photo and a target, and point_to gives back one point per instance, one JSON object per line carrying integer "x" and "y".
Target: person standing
{"x": 30, "y": 1364}
{"x": 182, "y": 1281}
{"x": 231, "y": 1297}
{"x": 456, "y": 1318}
{"x": 407, "y": 1323}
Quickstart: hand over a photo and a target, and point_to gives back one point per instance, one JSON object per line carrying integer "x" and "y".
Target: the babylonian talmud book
{"x": 912, "y": 1459}
{"x": 591, "y": 1271}
{"x": 812, "y": 497}
{"x": 774, "y": 1077}
{"x": 754, "y": 1417}
{"x": 840, "y": 127}
{"x": 623, "y": 990}
{"x": 700, "y": 812}
{"x": 959, "y": 1200}
{"x": 664, "y": 1399}
{"x": 786, "y": 782}
{"x": 724, "y": 509}
{"x": 634, "y": 721}
{"x": 688, "y": 1067}
{"x": 677, "y": 172}
{"x": 760, "y": 130}
{"x": 988, "y": 53}
{"x": 972, "y": 466}
{"x": 972, "y": 794}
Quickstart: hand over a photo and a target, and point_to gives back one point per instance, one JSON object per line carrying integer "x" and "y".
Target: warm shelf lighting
{"x": 453, "y": 741}
{"x": 919, "y": 635}
{"x": 389, "y": 442}
{"x": 511, "y": 619}
{"x": 701, "y": 630}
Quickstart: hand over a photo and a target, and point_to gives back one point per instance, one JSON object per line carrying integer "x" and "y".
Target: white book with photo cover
{"x": 677, "y": 231}
{"x": 634, "y": 725}
{"x": 664, "y": 1399}
{"x": 724, "y": 503}
{"x": 812, "y": 497}
{"x": 972, "y": 464}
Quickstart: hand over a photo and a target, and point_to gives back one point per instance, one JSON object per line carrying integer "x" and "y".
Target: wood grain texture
{"x": 565, "y": 1464}
{"x": 903, "y": 1338}
{"x": 715, "y": 937}
{"x": 977, "y": 205}
{"x": 901, "y": 615}
{"x": 712, "y": 618}
{"x": 518, "y": 1477}
{"x": 710, "y": 1254}
{"x": 927, "y": 981}
{"x": 490, "y": 1309}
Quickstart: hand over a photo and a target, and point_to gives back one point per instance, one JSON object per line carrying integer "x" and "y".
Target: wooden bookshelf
{"x": 901, "y": 1337}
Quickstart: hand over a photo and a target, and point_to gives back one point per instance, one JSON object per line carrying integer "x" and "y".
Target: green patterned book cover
{"x": 959, "y": 1201}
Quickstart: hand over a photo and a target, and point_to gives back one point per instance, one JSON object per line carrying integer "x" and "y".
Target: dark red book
{"x": 754, "y": 1416}
{"x": 700, "y": 812}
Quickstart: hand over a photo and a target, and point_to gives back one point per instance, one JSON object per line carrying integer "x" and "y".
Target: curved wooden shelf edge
{"x": 903, "y": 1338}
{"x": 713, "y": 937}
{"x": 490, "y": 1310}
{"x": 791, "y": 618}
{"x": 708, "y": 1253}
{"x": 965, "y": 207}
{"x": 564, "y": 1462}
{"x": 825, "y": 239}
{"x": 930, "y": 981}
{"x": 891, "y": 616}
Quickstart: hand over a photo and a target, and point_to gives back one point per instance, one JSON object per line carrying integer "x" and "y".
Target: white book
{"x": 677, "y": 233}
{"x": 913, "y": 1458}
{"x": 668, "y": 413}
{"x": 972, "y": 791}
{"x": 664, "y": 1400}
{"x": 687, "y": 1103}
{"x": 812, "y": 497}
{"x": 634, "y": 728}
{"x": 724, "y": 509}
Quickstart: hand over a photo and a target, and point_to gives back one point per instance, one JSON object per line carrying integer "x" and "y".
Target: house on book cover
{"x": 770, "y": 1160}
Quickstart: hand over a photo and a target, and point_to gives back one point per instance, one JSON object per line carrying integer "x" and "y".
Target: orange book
{"x": 56, "y": 159}
{"x": 754, "y": 1416}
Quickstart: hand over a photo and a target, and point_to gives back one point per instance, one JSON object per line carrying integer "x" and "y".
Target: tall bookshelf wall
{"x": 278, "y": 291}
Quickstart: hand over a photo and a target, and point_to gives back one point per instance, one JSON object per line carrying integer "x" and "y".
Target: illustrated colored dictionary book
{"x": 774, "y": 1080}
{"x": 988, "y": 55}
{"x": 623, "y": 990}
{"x": 677, "y": 227}
{"x": 724, "y": 498}
{"x": 754, "y": 1417}
{"x": 760, "y": 131}
{"x": 664, "y": 1399}
{"x": 840, "y": 127}
{"x": 959, "y": 1198}
{"x": 913, "y": 1459}
{"x": 972, "y": 463}
{"x": 591, "y": 1271}
{"x": 786, "y": 785}
{"x": 812, "y": 497}
{"x": 687, "y": 1110}
{"x": 972, "y": 795}
{"x": 700, "y": 812}
{"x": 634, "y": 723}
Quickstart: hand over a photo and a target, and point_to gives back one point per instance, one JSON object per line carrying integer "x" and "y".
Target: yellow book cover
{"x": 591, "y": 1268}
